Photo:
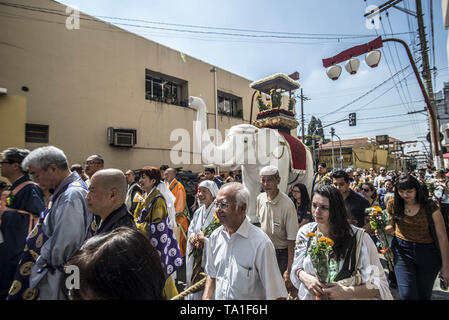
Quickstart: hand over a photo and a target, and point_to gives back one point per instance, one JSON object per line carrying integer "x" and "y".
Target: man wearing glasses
{"x": 381, "y": 178}
{"x": 23, "y": 199}
{"x": 241, "y": 260}
{"x": 93, "y": 164}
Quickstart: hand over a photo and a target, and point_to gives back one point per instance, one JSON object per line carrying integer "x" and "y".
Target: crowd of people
{"x": 133, "y": 235}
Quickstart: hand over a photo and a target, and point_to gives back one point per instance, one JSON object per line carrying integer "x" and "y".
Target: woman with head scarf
{"x": 203, "y": 216}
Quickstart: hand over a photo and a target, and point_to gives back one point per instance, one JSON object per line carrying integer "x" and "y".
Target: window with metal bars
{"x": 36, "y": 133}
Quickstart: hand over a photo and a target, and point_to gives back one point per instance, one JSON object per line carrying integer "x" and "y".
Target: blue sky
{"x": 385, "y": 109}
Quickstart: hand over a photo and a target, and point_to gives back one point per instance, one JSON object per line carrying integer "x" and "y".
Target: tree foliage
{"x": 314, "y": 130}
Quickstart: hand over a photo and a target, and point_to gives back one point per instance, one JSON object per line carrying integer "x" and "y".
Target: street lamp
{"x": 372, "y": 60}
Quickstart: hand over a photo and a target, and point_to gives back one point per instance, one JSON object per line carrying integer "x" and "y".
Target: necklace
{"x": 410, "y": 209}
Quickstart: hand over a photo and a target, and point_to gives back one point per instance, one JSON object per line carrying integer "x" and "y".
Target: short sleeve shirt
{"x": 244, "y": 265}
{"x": 278, "y": 218}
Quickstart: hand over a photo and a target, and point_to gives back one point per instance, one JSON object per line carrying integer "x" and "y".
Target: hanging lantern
{"x": 333, "y": 72}
{"x": 372, "y": 58}
{"x": 352, "y": 65}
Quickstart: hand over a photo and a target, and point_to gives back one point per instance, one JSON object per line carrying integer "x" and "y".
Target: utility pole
{"x": 426, "y": 73}
{"x": 214, "y": 70}
{"x": 332, "y": 139}
{"x": 303, "y": 98}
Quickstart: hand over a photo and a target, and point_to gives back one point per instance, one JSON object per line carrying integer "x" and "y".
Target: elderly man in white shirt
{"x": 241, "y": 260}
{"x": 278, "y": 219}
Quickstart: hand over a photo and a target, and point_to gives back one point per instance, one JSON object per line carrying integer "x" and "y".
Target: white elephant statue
{"x": 251, "y": 148}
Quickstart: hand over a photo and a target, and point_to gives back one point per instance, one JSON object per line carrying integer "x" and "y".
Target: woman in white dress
{"x": 207, "y": 191}
{"x": 354, "y": 274}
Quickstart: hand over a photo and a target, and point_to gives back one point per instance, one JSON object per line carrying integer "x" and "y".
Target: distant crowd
{"x": 93, "y": 232}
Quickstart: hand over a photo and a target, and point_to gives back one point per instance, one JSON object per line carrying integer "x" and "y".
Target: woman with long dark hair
{"x": 369, "y": 192}
{"x": 419, "y": 253}
{"x": 301, "y": 199}
{"x": 348, "y": 279}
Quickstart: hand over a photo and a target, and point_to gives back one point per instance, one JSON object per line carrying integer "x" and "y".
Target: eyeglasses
{"x": 356, "y": 175}
{"x": 5, "y": 162}
{"x": 223, "y": 205}
{"x": 296, "y": 191}
{"x": 366, "y": 190}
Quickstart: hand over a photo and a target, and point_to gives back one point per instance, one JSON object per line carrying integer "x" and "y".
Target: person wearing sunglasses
{"x": 357, "y": 181}
{"x": 381, "y": 178}
{"x": 93, "y": 164}
{"x": 369, "y": 192}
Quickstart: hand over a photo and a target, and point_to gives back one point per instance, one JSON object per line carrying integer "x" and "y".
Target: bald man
{"x": 106, "y": 199}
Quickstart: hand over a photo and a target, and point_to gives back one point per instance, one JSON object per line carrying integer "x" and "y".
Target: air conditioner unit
{"x": 120, "y": 137}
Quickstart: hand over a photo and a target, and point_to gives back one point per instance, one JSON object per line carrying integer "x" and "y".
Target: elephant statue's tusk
{"x": 283, "y": 144}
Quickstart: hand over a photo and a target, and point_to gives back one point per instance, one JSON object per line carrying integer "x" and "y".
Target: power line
{"x": 365, "y": 94}
{"x": 408, "y": 107}
{"x": 276, "y": 35}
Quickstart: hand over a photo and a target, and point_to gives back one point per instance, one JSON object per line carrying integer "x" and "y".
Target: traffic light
{"x": 352, "y": 119}
{"x": 332, "y": 131}
{"x": 316, "y": 144}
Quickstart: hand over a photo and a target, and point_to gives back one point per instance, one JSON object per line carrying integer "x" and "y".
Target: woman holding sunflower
{"x": 351, "y": 269}
{"x": 202, "y": 218}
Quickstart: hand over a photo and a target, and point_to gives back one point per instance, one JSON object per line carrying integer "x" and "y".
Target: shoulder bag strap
{"x": 359, "y": 243}
{"x": 310, "y": 239}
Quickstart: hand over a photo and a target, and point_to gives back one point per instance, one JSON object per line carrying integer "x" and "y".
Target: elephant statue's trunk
{"x": 210, "y": 153}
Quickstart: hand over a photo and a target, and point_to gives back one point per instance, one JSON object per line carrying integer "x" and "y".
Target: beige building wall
{"x": 83, "y": 81}
{"x": 12, "y": 122}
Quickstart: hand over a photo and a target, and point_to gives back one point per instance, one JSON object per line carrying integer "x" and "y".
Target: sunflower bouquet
{"x": 319, "y": 251}
{"x": 431, "y": 185}
{"x": 197, "y": 249}
{"x": 378, "y": 221}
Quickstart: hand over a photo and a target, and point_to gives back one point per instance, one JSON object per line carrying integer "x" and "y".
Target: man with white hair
{"x": 241, "y": 261}
{"x": 278, "y": 219}
{"x": 106, "y": 197}
{"x": 60, "y": 232}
